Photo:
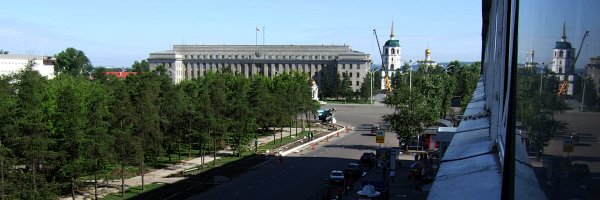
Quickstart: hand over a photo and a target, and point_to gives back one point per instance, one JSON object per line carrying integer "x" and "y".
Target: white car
{"x": 323, "y": 102}
{"x": 336, "y": 176}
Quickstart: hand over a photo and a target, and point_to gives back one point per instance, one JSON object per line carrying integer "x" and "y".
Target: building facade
{"x": 427, "y": 62}
{"x": 392, "y": 56}
{"x": 13, "y": 63}
{"x": 563, "y": 59}
{"x": 593, "y": 71}
{"x": 194, "y": 61}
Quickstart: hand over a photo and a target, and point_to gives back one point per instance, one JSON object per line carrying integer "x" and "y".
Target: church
{"x": 391, "y": 60}
{"x": 563, "y": 59}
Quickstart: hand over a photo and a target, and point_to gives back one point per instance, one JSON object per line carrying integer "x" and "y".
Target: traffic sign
{"x": 568, "y": 146}
{"x": 380, "y": 137}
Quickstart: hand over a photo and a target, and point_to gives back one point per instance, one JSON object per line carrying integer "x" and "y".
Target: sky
{"x": 117, "y": 33}
{"x": 541, "y": 23}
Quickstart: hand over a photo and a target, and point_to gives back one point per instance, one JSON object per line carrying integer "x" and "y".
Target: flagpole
{"x": 263, "y": 30}
{"x": 256, "y": 36}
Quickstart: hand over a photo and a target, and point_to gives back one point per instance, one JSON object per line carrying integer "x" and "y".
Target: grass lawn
{"x": 134, "y": 191}
{"x": 353, "y": 101}
{"x": 279, "y": 142}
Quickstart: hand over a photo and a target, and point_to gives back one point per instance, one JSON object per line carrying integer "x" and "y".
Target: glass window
{"x": 558, "y": 116}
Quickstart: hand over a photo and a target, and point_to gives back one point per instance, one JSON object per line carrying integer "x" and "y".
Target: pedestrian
{"x": 392, "y": 175}
{"x": 416, "y": 157}
{"x": 280, "y": 158}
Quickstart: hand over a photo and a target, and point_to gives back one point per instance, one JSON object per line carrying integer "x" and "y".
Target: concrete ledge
{"x": 292, "y": 150}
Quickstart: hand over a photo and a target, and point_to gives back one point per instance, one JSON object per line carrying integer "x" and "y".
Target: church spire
{"x": 392, "y": 34}
{"x": 564, "y": 32}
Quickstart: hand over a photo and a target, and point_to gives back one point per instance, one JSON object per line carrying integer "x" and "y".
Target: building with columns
{"x": 593, "y": 71}
{"x": 563, "y": 59}
{"x": 194, "y": 61}
{"x": 391, "y": 58}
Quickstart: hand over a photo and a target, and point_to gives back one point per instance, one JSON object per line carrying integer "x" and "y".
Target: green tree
{"x": 260, "y": 100}
{"x": 33, "y": 133}
{"x": 345, "y": 87}
{"x": 141, "y": 66}
{"x": 127, "y": 147}
{"x": 3, "y": 52}
{"x": 365, "y": 89}
{"x": 72, "y": 61}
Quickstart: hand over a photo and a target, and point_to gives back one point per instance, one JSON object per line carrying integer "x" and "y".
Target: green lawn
{"x": 352, "y": 101}
{"x": 134, "y": 191}
{"x": 279, "y": 142}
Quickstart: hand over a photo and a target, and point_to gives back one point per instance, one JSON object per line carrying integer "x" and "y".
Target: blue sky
{"x": 541, "y": 23}
{"x": 118, "y": 32}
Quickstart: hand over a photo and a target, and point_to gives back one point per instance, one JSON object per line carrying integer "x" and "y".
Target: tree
{"x": 412, "y": 112}
{"x": 147, "y": 125}
{"x": 3, "y": 52}
{"x": 366, "y": 89}
{"x": 33, "y": 132}
{"x": 72, "y": 61}
{"x": 260, "y": 100}
{"x": 127, "y": 147}
{"x": 141, "y": 66}
{"x": 345, "y": 87}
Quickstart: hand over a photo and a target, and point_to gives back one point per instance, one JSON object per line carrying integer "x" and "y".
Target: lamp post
{"x": 583, "y": 79}
{"x": 89, "y": 74}
{"x": 372, "y": 71}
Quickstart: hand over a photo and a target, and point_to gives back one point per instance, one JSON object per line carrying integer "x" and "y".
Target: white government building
{"x": 13, "y": 63}
{"x": 193, "y": 61}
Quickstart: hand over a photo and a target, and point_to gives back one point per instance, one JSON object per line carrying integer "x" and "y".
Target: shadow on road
{"x": 354, "y": 146}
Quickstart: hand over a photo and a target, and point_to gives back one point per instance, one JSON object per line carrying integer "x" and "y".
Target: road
{"x": 301, "y": 175}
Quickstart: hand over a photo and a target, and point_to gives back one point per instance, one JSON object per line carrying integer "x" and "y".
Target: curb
{"x": 292, "y": 150}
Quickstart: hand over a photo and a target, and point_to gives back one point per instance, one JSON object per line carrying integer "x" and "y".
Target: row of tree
{"x": 55, "y": 132}
{"x": 421, "y": 103}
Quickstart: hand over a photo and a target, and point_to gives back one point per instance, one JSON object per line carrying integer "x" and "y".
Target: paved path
{"x": 160, "y": 175}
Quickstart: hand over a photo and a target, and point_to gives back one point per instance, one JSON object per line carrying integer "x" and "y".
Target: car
{"x": 374, "y": 130}
{"x": 336, "y": 176}
{"x": 352, "y": 170}
{"x": 367, "y": 158}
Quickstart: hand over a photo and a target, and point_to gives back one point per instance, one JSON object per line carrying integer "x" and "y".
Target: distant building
{"x": 194, "y": 61}
{"x": 427, "y": 62}
{"x": 563, "y": 59}
{"x": 392, "y": 58}
{"x": 593, "y": 70}
{"x": 120, "y": 74}
{"x": 13, "y": 63}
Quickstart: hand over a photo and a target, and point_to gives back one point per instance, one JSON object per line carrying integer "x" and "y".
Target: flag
{"x": 257, "y": 29}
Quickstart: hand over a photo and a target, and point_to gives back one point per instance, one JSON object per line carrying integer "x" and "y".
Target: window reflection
{"x": 558, "y": 83}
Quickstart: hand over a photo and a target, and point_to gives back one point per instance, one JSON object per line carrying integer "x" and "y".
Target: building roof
{"x": 392, "y": 43}
{"x": 563, "y": 45}
{"x": 120, "y": 74}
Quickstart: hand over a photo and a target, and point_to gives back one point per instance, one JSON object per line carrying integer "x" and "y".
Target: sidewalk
{"x": 161, "y": 175}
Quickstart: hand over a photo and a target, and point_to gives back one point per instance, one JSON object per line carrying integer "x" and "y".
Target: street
{"x": 302, "y": 175}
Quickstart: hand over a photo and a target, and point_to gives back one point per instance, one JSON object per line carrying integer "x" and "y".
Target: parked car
{"x": 336, "y": 177}
{"x": 367, "y": 158}
{"x": 352, "y": 170}
{"x": 374, "y": 130}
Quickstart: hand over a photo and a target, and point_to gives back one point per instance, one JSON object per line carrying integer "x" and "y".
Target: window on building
{"x": 357, "y": 75}
{"x": 561, "y": 53}
{"x": 343, "y": 66}
{"x": 350, "y": 74}
{"x": 357, "y": 83}
{"x": 393, "y": 51}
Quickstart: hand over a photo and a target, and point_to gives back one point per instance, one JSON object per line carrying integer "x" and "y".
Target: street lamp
{"x": 89, "y": 73}
{"x": 372, "y": 71}
{"x": 583, "y": 79}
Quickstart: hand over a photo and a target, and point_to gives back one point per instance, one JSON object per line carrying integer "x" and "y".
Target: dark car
{"x": 352, "y": 170}
{"x": 374, "y": 130}
{"x": 367, "y": 158}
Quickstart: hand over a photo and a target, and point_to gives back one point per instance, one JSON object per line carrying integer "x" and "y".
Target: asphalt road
{"x": 301, "y": 175}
